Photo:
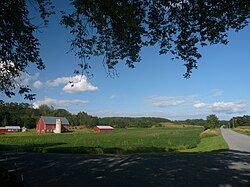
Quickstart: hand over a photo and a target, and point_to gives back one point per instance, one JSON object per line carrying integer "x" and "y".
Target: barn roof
{"x": 52, "y": 120}
{"x": 104, "y": 127}
{"x": 13, "y": 127}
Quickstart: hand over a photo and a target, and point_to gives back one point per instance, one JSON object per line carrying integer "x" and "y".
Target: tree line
{"x": 127, "y": 122}
{"x": 24, "y": 115}
{"x": 239, "y": 121}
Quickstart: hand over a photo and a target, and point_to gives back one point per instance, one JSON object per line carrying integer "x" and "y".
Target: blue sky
{"x": 154, "y": 88}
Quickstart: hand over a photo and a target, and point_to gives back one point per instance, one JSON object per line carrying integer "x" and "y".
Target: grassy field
{"x": 207, "y": 144}
{"x": 121, "y": 141}
{"x": 243, "y": 130}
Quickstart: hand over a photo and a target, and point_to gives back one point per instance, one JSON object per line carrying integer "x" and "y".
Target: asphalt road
{"x": 223, "y": 169}
{"x": 236, "y": 141}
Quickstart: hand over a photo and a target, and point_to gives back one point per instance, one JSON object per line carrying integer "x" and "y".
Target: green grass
{"x": 121, "y": 141}
{"x": 208, "y": 144}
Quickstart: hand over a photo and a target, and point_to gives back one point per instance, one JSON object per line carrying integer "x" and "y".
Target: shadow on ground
{"x": 62, "y": 148}
{"x": 40, "y": 148}
{"x": 102, "y": 150}
{"x": 227, "y": 168}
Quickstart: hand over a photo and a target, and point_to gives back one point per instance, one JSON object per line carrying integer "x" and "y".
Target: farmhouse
{"x": 48, "y": 124}
{"x": 103, "y": 129}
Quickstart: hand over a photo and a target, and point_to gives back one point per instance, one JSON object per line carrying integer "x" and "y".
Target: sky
{"x": 155, "y": 87}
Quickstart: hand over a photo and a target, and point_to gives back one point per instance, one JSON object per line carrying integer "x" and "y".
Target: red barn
{"x": 103, "y": 129}
{"x": 48, "y": 124}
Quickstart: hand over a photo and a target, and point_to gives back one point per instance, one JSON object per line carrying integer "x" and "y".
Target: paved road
{"x": 236, "y": 141}
{"x": 222, "y": 169}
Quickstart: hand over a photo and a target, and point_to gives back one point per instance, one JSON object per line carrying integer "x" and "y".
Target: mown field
{"x": 121, "y": 141}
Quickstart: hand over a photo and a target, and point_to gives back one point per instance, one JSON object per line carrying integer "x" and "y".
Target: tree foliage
{"x": 117, "y": 30}
{"x": 196, "y": 122}
{"x": 18, "y": 45}
{"x": 239, "y": 121}
{"x": 212, "y": 122}
{"x": 25, "y": 115}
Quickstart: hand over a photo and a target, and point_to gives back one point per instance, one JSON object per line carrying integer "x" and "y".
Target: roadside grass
{"x": 243, "y": 130}
{"x": 211, "y": 140}
{"x": 121, "y": 141}
{"x": 210, "y": 132}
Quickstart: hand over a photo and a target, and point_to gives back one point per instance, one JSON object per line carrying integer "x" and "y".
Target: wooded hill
{"x": 123, "y": 122}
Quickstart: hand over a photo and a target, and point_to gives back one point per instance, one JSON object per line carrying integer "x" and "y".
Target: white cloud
{"x": 58, "y": 81}
{"x": 229, "y": 107}
{"x": 74, "y": 84}
{"x": 57, "y": 103}
{"x": 217, "y": 93}
{"x": 224, "y": 107}
{"x": 25, "y": 78}
{"x": 112, "y": 97}
{"x": 166, "y": 101}
{"x": 38, "y": 84}
{"x": 200, "y": 105}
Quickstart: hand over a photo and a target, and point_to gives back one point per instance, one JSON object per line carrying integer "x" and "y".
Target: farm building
{"x": 103, "y": 129}
{"x": 3, "y": 130}
{"x": 10, "y": 129}
{"x": 13, "y": 128}
{"x": 49, "y": 124}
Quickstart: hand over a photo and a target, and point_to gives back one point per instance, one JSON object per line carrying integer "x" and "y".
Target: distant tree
{"x": 212, "y": 122}
{"x": 28, "y": 122}
{"x": 5, "y": 122}
{"x": 61, "y": 112}
{"x": 116, "y": 30}
{"x": 239, "y": 121}
{"x": 199, "y": 122}
{"x": 86, "y": 120}
{"x": 46, "y": 110}
{"x": 125, "y": 122}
